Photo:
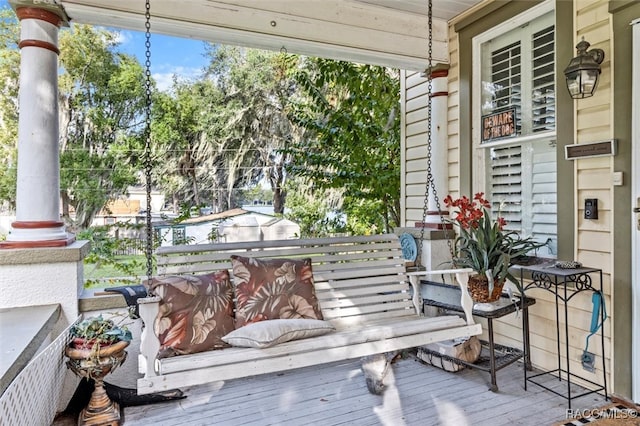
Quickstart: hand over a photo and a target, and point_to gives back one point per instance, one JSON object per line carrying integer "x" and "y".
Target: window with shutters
{"x": 517, "y": 74}
{"x": 179, "y": 235}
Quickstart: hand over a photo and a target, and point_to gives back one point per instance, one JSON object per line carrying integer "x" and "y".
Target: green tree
{"x": 105, "y": 265}
{"x": 350, "y": 112}
{"x": 101, "y": 101}
{"x": 178, "y": 130}
{"x": 9, "y": 76}
{"x": 251, "y": 124}
{"x": 316, "y": 211}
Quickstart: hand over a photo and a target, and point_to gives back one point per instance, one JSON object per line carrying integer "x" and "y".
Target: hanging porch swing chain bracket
{"x": 430, "y": 183}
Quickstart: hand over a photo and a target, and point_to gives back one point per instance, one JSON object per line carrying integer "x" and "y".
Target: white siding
{"x": 593, "y": 180}
{"x": 414, "y": 101}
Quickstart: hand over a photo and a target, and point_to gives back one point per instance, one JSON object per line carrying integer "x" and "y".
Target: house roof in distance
{"x": 227, "y": 214}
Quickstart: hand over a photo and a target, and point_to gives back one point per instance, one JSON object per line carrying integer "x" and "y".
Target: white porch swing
{"x": 361, "y": 284}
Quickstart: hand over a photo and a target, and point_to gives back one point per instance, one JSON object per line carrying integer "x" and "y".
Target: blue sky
{"x": 169, "y": 55}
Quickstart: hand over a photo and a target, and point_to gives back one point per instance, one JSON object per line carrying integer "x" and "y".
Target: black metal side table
{"x": 447, "y": 298}
{"x": 564, "y": 284}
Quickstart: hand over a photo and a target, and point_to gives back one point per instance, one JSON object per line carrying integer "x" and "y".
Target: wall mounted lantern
{"x": 583, "y": 72}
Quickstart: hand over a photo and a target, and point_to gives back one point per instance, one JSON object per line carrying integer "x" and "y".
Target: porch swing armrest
{"x": 462, "y": 276}
{"x": 465, "y": 297}
{"x": 149, "y": 343}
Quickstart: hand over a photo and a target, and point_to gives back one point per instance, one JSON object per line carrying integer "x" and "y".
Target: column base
{"x": 37, "y": 233}
{"x": 71, "y": 238}
{"x": 433, "y": 225}
{"x": 435, "y": 219}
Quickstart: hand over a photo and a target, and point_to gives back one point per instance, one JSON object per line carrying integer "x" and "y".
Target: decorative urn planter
{"x": 95, "y": 351}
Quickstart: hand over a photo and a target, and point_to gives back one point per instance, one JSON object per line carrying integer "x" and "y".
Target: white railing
{"x": 34, "y": 395}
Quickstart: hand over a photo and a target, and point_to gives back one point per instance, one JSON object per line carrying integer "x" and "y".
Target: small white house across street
{"x": 228, "y": 226}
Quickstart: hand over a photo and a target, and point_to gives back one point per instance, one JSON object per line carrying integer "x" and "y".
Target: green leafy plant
{"x": 106, "y": 265}
{"x": 98, "y": 331}
{"x": 483, "y": 244}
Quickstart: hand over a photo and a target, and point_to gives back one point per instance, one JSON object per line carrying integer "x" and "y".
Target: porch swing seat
{"x": 363, "y": 289}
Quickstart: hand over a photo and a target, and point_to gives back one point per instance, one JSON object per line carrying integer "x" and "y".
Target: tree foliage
{"x": 182, "y": 168}
{"x": 222, "y": 132}
{"x": 322, "y": 134}
{"x": 318, "y": 212}
{"x": 251, "y": 123}
{"x": 351, "y": 114}
{"x": 9, "y": 76}
{"x": 101, "y": 101}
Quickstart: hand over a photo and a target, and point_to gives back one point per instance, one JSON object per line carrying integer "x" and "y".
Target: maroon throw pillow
{"x": 195, "y": 312}
{"x": 267, "y": 289}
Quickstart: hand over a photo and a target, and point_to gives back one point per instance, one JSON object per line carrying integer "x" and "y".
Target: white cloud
{"x": 122, "y": 37}
{"x": 164, "y": 80}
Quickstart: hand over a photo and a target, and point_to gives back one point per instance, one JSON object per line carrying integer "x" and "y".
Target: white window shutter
{"x": 543, "y": 98}
{"x": 506, "y": 185}
{"x": 519, "y": 72}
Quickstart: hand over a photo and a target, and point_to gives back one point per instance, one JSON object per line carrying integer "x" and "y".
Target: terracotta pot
{"x": 479, "y": 289}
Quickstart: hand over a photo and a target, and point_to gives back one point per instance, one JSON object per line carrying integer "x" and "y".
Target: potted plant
{"x": 483, "y": 245}
{"x": 97, "y": 337}
{"x": 96, "y": 348}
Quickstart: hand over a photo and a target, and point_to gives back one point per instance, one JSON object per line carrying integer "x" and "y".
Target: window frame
{"x": 482, "y": 150}
{"x": 178, "y": 229}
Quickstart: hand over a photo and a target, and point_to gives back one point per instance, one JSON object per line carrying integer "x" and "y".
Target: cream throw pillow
{"x": 264, "y": 334}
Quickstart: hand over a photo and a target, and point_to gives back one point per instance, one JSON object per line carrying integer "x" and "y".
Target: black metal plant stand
{"x": 558, "y": 281}
{"x": 494, "y": 357}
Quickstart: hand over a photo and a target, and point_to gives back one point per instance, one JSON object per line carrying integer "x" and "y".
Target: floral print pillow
{"x": 195, "y": 312}
{"x": 267, "y": 289}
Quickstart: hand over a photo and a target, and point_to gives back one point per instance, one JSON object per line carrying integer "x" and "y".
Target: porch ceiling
{"x": 384, "y": 32}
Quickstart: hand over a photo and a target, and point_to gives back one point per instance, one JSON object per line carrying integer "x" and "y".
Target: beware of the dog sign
{"x": 499, "y": 125}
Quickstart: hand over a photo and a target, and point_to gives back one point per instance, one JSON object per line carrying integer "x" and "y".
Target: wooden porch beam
{"x": 331, "y": 28}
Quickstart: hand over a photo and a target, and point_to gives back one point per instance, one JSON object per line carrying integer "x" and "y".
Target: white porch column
{"x": 439, "y": 162}
{"x": 431, "y": 233}
{"x": 38, "y": 185}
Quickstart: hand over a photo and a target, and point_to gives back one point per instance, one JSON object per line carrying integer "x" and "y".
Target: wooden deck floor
{"x": 335, "y": 394}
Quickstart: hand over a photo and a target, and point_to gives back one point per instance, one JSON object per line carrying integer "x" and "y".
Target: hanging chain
{"x": 425, "y": 206}
{"x": 147, "y": 146}
{"x": 430, "y": 183}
